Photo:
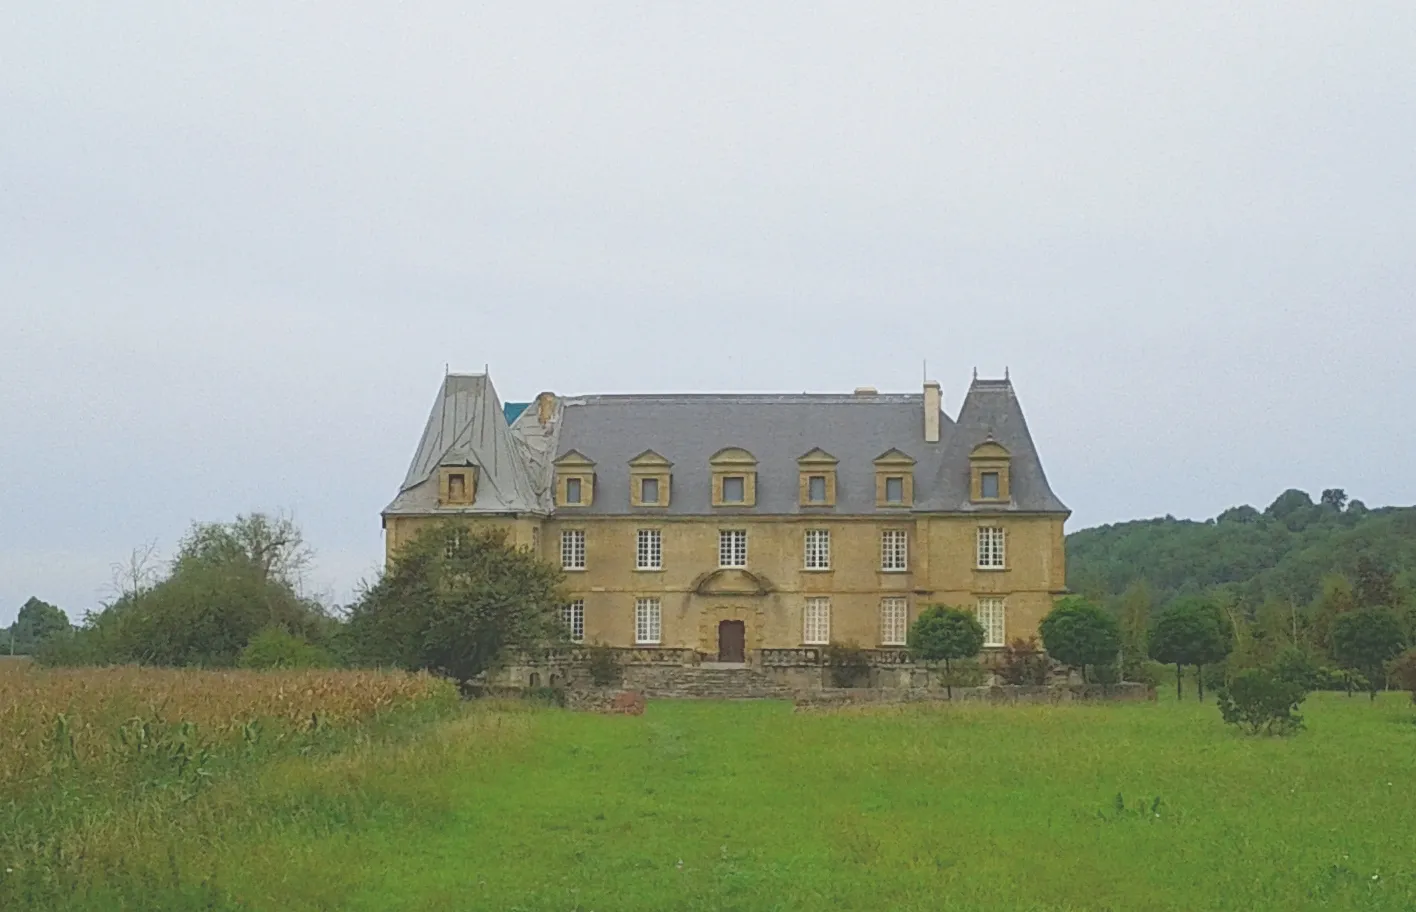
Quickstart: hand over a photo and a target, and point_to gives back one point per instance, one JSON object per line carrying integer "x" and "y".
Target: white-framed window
{"x": 990, "y": 548}
{"x": 816, "y": 622}
{"x": 734, "y": 489}
{"x": 818, "y": 549}
{"x": 456, "y": 541}
{"x": 649, "y": 550}
{"x": 646, "y": 621}
{"x": 573, "y": 616}
{"x": 732, "y": 548}
{"x": 894, "y": 549}
{"x": 991, "y": 612}
{"x": 894, "y": 620}
{"x": 573, "y": 549}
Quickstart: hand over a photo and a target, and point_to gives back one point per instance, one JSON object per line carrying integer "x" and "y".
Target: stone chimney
{"x": 545, "y": 407}
{"x": 933, "y": 401}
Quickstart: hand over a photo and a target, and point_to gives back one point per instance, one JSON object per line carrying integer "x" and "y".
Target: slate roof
{"x": 688, "y": 429}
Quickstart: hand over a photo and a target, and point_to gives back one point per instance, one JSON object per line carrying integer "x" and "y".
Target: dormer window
{"x": 575, "y": 480}
{"x": 817, "y": 471}
{"x": 989, "y": 463}
{"x": 649, "y": 480}
{"x": 894, "y": 479}
{"x": 457, "y": 485}
{"x": 734, "y": 478}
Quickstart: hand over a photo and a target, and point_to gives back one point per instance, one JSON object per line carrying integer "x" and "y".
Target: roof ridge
{"x": 768, "y": 398}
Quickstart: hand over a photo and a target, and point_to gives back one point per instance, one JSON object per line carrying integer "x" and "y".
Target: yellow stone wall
{"x": 695, "y": 595}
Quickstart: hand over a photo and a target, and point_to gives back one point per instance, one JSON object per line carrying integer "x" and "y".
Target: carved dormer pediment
{"x": 732, "y": 456}
{"x": 990, "y": 449}
{"x": 894, "y": 457}
{"x": 650, "y": 460}
{"x": 817, "y": 457}
{"x": 574, "y": 459}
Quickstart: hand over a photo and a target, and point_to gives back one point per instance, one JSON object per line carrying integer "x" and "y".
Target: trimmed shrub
{"x": 1260, "y": 701}
{"x": 1402, "y": 672}
{"x": 604, "y": 666}
{"x": 848, "y": 665}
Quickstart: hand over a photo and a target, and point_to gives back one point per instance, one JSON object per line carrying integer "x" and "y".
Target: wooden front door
{"x": 732, "y": 639}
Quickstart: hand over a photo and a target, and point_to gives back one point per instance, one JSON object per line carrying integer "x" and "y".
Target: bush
{"x": 1214, "y": 676}
{"x": 1260, "y": 701}
{"x": 848, "y": 664}
{"x": 277, "y": 648}
{"x": 604, "y": 665}
{"x": 1024, "y": 662}
{"x": 963, "y": 673}
{"x": 545, "y": 696}
{"x": 1297, "y": 666}
{"x": 1105, "y": 674}
{"x": 1143, "y": 672}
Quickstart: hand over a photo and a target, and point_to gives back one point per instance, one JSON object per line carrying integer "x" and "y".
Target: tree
{"x": 1402, "y": 672}
{"x": 1335, "y": 498}
{"x": 37, "y": 622}
{"x": 273, "y": 545}
{"x": 1374, "y": 585}
{"x": 1078, "y": 633}
{"x": 1135, "y": 610}
{"x": 1288, "y": 503}
{"x": 453, "y": 601}
{"x": 1365, "y": 640}
{"x": 1191, "y": 632}
{"x": 1335, "y": 598}
{"x": 1240, "y": 514}
{"x": 942, "y": 634}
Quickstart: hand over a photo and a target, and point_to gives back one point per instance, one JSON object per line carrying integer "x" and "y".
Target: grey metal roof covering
{"x": 467, "y": 426}
{"x": 990, "y": 408}
{"x": 688, "y": 429}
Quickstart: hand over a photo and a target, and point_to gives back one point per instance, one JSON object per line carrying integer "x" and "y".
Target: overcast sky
{"x": 238, "y": 245}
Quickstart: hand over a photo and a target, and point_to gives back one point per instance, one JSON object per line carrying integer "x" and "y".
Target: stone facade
{"x": 579, "y": 466}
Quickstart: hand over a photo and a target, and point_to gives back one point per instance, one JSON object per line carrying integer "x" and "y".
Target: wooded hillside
{"x": 1281, "y": 554}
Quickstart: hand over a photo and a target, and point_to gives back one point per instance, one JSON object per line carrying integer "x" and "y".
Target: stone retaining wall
{"x": 999, "y": 694}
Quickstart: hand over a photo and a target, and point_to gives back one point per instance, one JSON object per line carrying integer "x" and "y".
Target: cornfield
{"x": 98, "y": 720}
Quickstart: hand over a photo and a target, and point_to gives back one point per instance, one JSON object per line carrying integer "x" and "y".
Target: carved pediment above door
{"x": 727, "y": 581}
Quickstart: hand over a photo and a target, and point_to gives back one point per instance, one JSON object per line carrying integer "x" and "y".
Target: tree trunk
{"x": 1179, "y": 672}
{"x": 948, "y": 682}
{"x": 1200, "y": 681}
{"x": 1084, "y": 675}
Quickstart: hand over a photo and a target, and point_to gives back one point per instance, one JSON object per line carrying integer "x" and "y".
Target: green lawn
{"x": 753, "y": 806}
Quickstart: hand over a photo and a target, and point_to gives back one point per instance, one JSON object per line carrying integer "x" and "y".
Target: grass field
{"x": 753, "y": 806}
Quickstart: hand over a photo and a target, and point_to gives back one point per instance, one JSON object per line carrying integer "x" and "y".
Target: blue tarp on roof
{"x": 513, "y": 410}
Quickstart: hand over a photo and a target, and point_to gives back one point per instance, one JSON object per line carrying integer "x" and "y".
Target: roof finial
{"x": 1005, "y": 372}
{"x": 975, "y": 371}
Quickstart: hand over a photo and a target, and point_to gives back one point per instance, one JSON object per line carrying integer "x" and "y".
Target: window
{"x": 816, "y": 489}
{"x": 895, "y": 489}
{"x": 646, "y": 622}
{"x": 818, "y": 549}
{"x": 894, "y": 621}
{"x": 573, "y": 549}
{"x": 988, "y": 485}
{"x": 649, "y": 551}
{"x": 894, "y": 550}
{"x": 457, "y": 487}
{"x": 990, "y": 548}
{"x": 990, "y": 615}
{"x": 733, "y": 489}
{"x": 816, "y": 626}
{"x": 732, "y": 548}
{"x": 573, "y": 616}
{"x": 452, "y": 547}
{"x": 572, "y": 490}
{"x": 648, "y": 490}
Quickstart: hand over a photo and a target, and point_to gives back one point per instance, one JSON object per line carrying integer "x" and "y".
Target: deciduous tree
{"x": 454, "y": 601}
{"x": 1365, "y": 640}
{"x": 1077, "y": 633}
{"x": 1191, "y": 632}
{"x": 943, "y": 634}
